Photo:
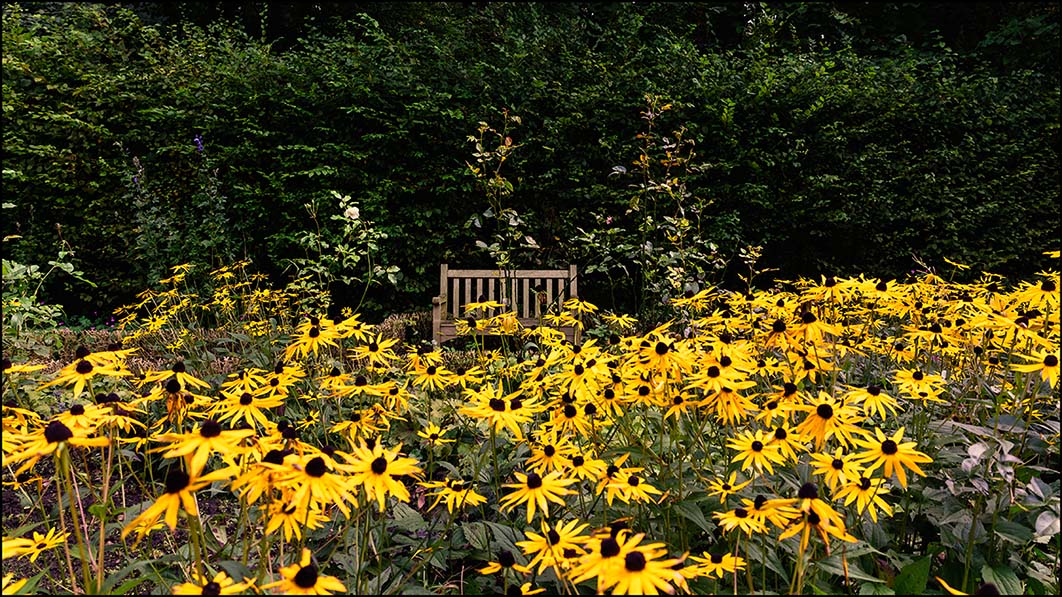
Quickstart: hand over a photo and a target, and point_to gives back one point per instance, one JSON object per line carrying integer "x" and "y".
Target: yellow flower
{"x": 536, "y": 491}
{"x": 24, "y": 546}
{"x": 892, "y": 454}
{"x": 221, "y": 584}
{"x": 376, "y": 468}
{"x": 756, "y": 450}
{"x": 180, "y": 488}
{"x": 304, "y": 578}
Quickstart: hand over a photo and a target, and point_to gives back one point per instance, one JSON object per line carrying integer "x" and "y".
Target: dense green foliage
{"x": 836, "y": 146}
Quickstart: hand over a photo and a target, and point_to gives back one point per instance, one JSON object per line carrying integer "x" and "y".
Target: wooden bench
{"x": 530, "y": 294}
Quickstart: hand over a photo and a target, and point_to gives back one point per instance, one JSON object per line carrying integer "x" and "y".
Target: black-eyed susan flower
{"x": 873, "y": 400}
{"x": 292, "y": 518}
{"x": 434, "y": 435}
{"x": 81, "y": 372}
{"x": 457, "y": 493}
{"x": 645, "y": 570}
{"x": 536, "y": 491}
{"x": 559, "y": 545}
{"x": 828, "y": 418}
{"x": 245, "y": 406}
{"x": 180, "y": 487}
{"x": 500, "y": 412}
{"x": 809, "y": 523}
{"x": 867, "y": 495}
{"x": 198, "y": 445}
{"x": 739, "y": 518}
{"x": 717, "y": 564}
{"x": 837, "y": 469}
{"x": 313, "y": 483}
{"x": 48, "y": 439}
{"x": 305, "y": 578}
{"x": 506, "y": 561}
{"x": 33, "y": 547}
{"x": 1045, "y": 362}
{"x": 724, "y": 488}
{"x": 755, "y": 450}
{"x": 375, "y": 469}
{"x": 220, "y": 584}
{"x": 892, "y": 454}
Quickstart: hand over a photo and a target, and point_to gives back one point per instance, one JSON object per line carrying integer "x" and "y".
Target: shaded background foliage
{"x": 842, "y": 137}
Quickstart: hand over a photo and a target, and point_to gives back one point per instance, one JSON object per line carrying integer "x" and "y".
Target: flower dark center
{"x": 360, "y": 381}
{"x": 590, "y": 410}
{"x": 570, "y": 411}
{"x": 534, "y": 481}
{"x": 789, "y": 389}
{"x": 609, "y": 548}
{"x": 808, "y": 491}
{"x": 515, "y": 404}
{"x": 179, "y": 367}
{"x": 741, "y": 513}
{"x": 662, "y": 348}
{"x": 808, "y": 317}
{"x": 274, "y": 457}
{"x": 780, "y": 433}
{"x": 550, "y": 450}
{"x": 633, "y": 481}
{"x": 713, "y": 371}
{"x": 864, "y": 483}
{"x": 56, "y": 432}
{"x": 881, "y": 287}
{"x": 431, "y": 370}
{"x": 837, "y": 464}
{"x": 553, "y": 536}
{"x": 578, "y": 369}
{"x": 176, "y": 481}
{"x": 246, "y": 399}
{"x": 316, "y": 467}
{"x": 373, "y": 347}
{"x": 83, "y": 367}
{"x": 889, "y": 447}
{"x": 824, "y": 410}
{"x": 210, "y": 429}
{"x": 1050, "y": 361}
{"x": 1048, "y": 286}
{"x": 759, "y": 501}
{"x": 578, "y": 461}
{"x": 77, "y": 410}
{"x": 757, "y": 446}
{"x": 717, "y": 558}
{"x": 778, "y": 326}
{"x": 497, "y": 404}
{"x": 306, "y": 577}
{"x": 726, "y": 361}
{"x": 918, "y": 376}
{"x": 609, "y": 393}
{"x": 727, "y": 486}
{"x": 211, "y": 588}
{"x": 379, "y": 466}
{"x": 634, "y": 561}
{"x": 873, "y": 390}
{"x": 506, "y": 558}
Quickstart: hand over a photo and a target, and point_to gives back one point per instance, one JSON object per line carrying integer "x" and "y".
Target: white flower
{"x": 352, "y": 213}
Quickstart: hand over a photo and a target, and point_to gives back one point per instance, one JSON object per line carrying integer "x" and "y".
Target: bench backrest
{"x": 530, "y": 293}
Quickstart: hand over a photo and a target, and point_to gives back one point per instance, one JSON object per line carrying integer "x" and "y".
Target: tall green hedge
{"x": 837, "y": 158}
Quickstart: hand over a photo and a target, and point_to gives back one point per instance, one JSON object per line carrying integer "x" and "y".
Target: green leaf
{"x": 875, "y": 589}
{"x": 1004, "y": 578}
{"x": 1013, "y": 532}
{"x": 692, "y": 512}
{"x": 912, "y": 579}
